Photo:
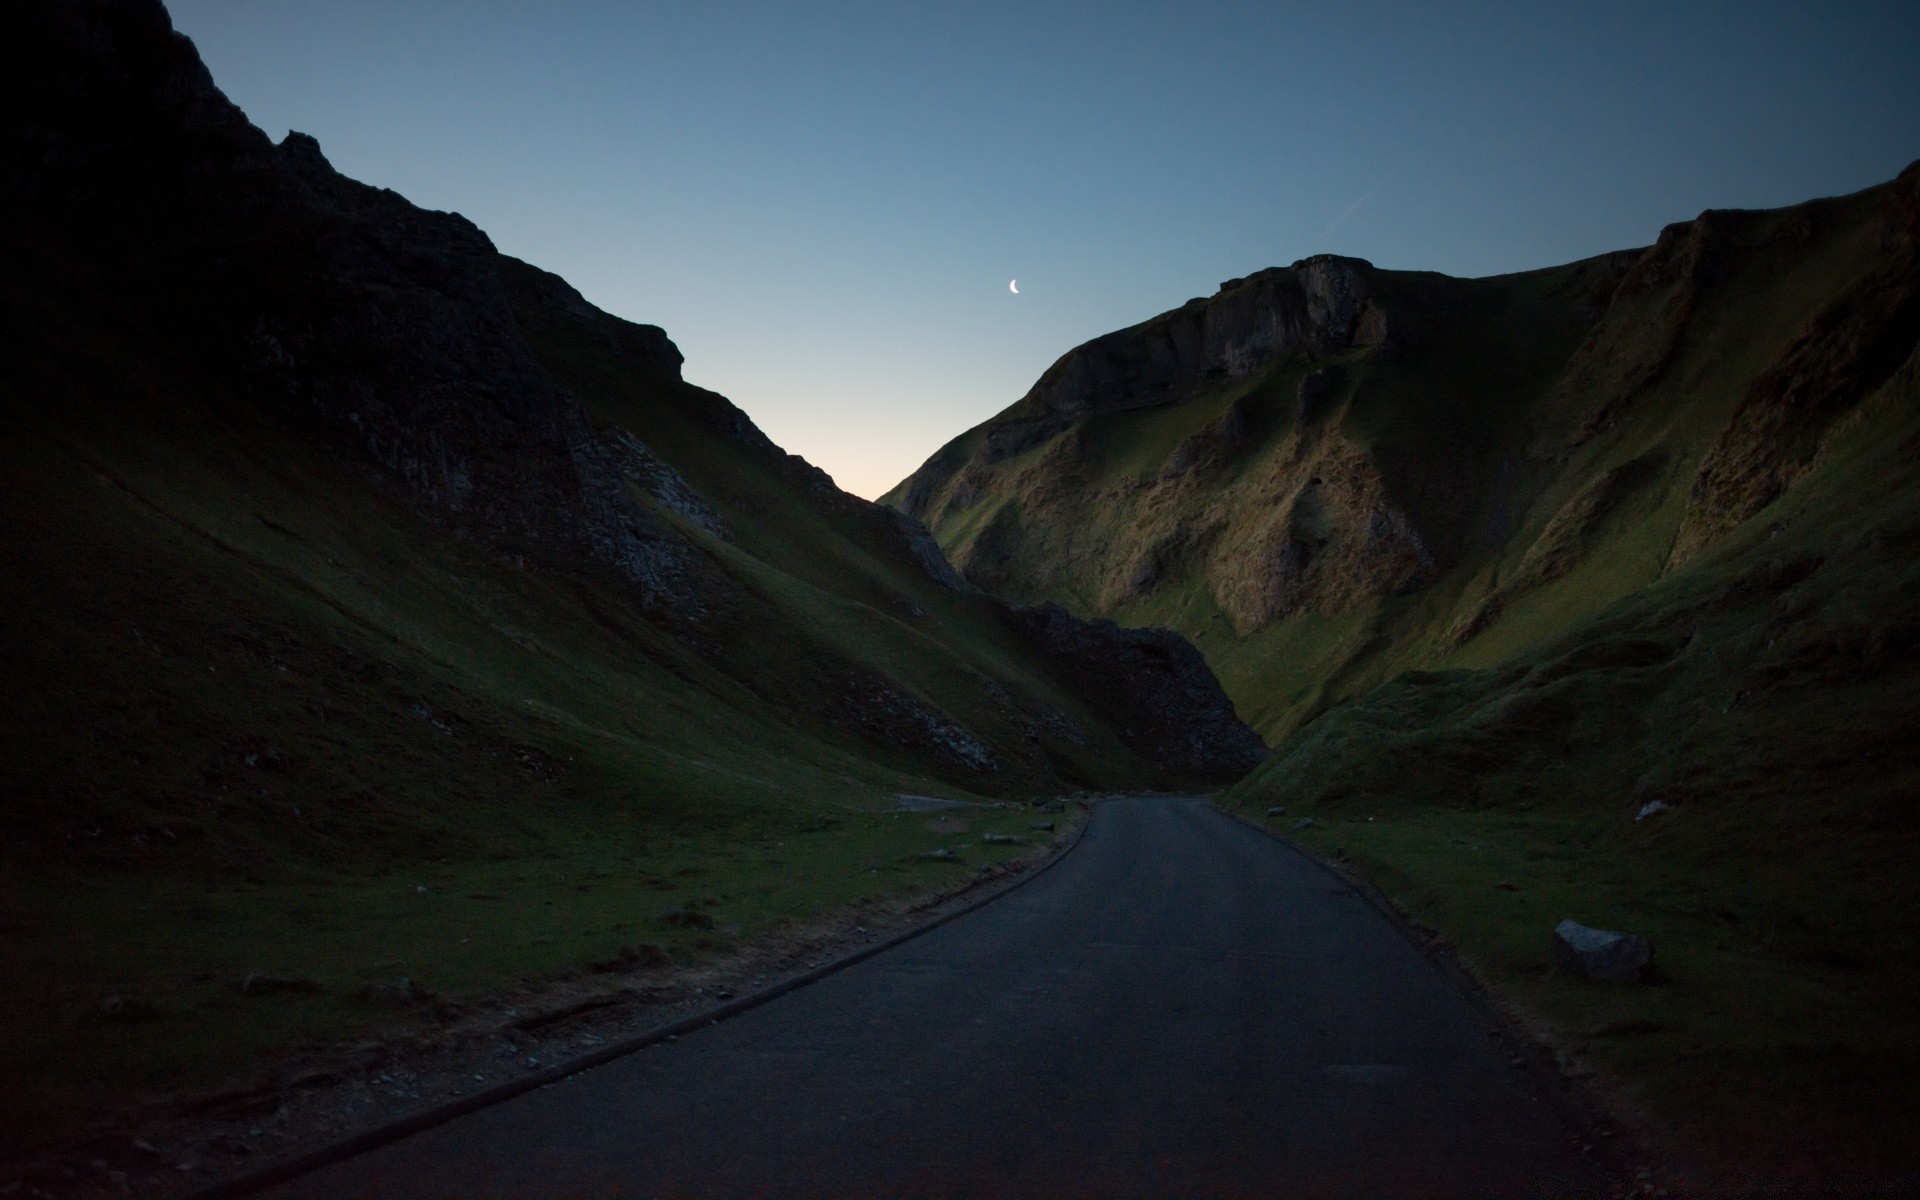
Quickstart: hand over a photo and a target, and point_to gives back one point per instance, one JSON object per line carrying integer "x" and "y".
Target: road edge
{"x": 1582, "y": 1112}
{"x": 307, "y": 1162}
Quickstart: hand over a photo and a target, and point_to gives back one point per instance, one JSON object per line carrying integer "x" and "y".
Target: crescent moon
{"x": 1013, "y": 285}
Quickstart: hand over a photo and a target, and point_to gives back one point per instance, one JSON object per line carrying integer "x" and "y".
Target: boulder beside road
{"x": 1600, "y": 954}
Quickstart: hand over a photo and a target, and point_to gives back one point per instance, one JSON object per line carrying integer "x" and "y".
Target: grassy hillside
{"x": 377, "y": 608}
{"x": 1517, "y": 452}
{"x": 1567, "y": 544}
{"x": 1766, "y": 696}
{"x": 255, "y": 701}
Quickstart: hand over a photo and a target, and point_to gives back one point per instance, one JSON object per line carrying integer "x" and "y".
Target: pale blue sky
{"x": 823, "y": 204}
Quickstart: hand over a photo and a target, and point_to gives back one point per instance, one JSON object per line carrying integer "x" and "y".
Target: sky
{"x": 824, "y": 204}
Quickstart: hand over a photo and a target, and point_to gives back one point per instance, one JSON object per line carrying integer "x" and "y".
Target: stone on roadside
{"x": 1601, "y": 954}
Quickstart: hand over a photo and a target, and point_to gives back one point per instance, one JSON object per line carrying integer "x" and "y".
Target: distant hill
{"x": 1600, "y": 582}
{"x": 337, "y": 547}
{"x": 1328, "y": 473}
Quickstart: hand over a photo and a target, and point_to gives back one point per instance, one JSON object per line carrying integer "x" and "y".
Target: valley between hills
{"x": 1586, "y": 592}
{"x": 396, "y": 641}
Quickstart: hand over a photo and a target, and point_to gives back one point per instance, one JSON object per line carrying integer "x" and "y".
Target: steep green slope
{"x": 254, "y": 703}
{"x": 1355, "y": 472}
{"x": 1584, "y": 593}
{"x": 376, "y": 607}
{"x": 1761, "y": 708}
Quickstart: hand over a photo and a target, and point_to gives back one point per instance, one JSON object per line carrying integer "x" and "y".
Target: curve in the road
{"x": 1181, "y": 1007}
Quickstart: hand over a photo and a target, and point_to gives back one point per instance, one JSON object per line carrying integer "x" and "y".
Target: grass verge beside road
{"x": 325, "y": 954}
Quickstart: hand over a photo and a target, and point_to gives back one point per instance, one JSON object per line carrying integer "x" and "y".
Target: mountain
{"x": 1584, "y": 592}
{"x": 352, "y": 567}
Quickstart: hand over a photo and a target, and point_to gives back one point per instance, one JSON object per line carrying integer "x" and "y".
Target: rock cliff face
{"x": 1370, "y": 467}
{"x": 1317, "y": 526}
{"x": 447, "y": 375}
{"x": 388, "y": 323}
{"x": 1152, "y": 684}
{"x": 1317, "y": 306}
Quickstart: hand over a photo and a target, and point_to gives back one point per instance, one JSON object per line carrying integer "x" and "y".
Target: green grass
{"x": 575, "y": 895}
{"x": 1747, "y": 1039}
{"x": 253, "y": 700}
{"x": 1567, "y": 662}
{"x": 1474, "y": 431}
{"x": 1766, "y": 694}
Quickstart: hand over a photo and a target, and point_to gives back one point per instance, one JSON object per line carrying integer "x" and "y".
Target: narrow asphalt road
{"x": 1182, "y": 1007}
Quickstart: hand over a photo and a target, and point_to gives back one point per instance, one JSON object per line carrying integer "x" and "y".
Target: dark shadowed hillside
{"x": 1587, "y": 592}
{"x": 365, "y": 588}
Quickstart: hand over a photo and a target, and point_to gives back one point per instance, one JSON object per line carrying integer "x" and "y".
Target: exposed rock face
{"x": 872, "y": 703}
{"x": 387, "y": 323}
{"x": 1840, "y": 356}
{"x": 1331, "y": 541}
{"x": 1289, "y": 545}
{"x": 927, "y": 552}
{"x": 1324, "y": 441}
{"x": 1152, "y": 685}
{"x": 1318, "y": 305}
{"x": 657, "y": 478}
{"x": 401, "y": 343}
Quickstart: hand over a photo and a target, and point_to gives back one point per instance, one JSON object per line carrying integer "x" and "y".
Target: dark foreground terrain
{"x": 1182, "y": 1006}
{"x": 388, "y": 630}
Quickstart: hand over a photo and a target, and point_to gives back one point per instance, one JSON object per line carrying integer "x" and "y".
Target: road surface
{"x": 1181, "y": 1007}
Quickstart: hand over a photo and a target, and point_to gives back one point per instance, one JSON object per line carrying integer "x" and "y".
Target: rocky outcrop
{"x": 926, "y": 552}
{"x": 1151, "y": 685}
{"x": 1330, "y": 540}
{"x": 388, "y": 324}
{"x": 1562, "y": 544}
{"x": 656, "y": 477}
{"x": 870, "y": 702}
{"x": 1839, "y": 357}
{"x": 1317, "y": 306}
{"x": 424, "y": 360}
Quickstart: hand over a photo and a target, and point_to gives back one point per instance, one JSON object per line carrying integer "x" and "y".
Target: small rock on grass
{"x": 685, "y": 918}
{"x": 941, "y": 855}
{"x": 401, "y": 992}
{"x": 1004, "y": 839}
{"x": 266, "y": 983}
{"x": 1600, "y": 954}
{"x": 1304, "y": 823}
{"x": 1041, "y": 826}
{"x": 1276, "y": 811}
